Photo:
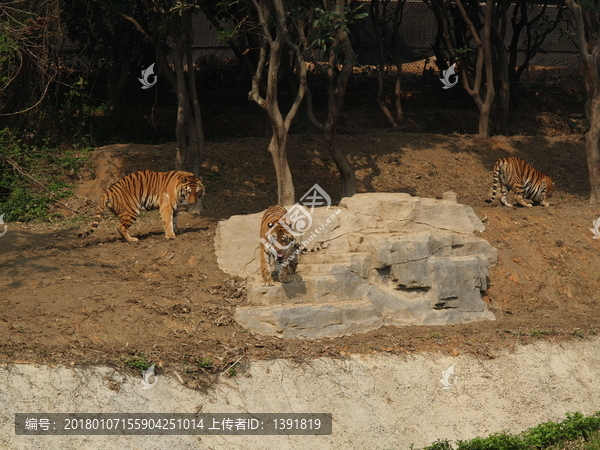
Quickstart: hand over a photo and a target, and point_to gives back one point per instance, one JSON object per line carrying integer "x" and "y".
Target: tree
{"x": 171, "y": 21}
{"x": 536, "y": 29}
{"x": 110, "y": 44}
{"x": 443, "y": 36}
{"x": 500, "y": 107}
{"x": 275, "y": 38}
{"x": 244, "y": 39}
{"x": 462, "y": 33}
{"x": 30, "y": 50}
{"x": 587, "y": 38}
{"x": 330, "y": 34}
{"x": 386, "y": 17}
{"x": 480, "y": 86}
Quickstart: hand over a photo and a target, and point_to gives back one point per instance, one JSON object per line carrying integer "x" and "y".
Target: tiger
{"x": 279, "y": 248}
{"x": 148, "y": 190}
{"x": 526, "y": 182}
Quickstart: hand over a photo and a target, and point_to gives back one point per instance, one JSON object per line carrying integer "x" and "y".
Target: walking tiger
{"x": 278, "y": 246}
{"x": 148, "y": 190}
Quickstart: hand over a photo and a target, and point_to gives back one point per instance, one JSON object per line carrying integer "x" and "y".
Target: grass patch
{"x": 539, "y": 333}
{"x": 33, "y": 179}
{"x": 576, "y": 432}
{"x": 138, "y": 362}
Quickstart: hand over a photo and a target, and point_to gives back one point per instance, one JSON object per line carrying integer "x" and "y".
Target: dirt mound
{"x": 100, "y": 300}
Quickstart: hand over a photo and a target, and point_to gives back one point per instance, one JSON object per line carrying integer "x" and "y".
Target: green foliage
{"x": 180, "y": 7}
{"x": 575, "y": 426}
{"x": 327, "y": 23}
{"x": 22, "y": 198}
{"x": 205, "y": 363}
{"x": 550, "y": 435}
{"x": 8, "y": 65}
{"x": 8, "y": 50}
{"x": 138, "y": 362}
{"x": 440, "y": 445}
{"x": 539, "y": 333}
{"x": 500, "y": 441}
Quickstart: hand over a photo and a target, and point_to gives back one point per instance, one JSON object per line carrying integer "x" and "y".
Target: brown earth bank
{"x": 99, "y": 300}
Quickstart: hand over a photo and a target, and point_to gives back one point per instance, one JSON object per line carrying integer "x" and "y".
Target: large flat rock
{"x": 311, "y": 321}
{"x": 377, "y": 259}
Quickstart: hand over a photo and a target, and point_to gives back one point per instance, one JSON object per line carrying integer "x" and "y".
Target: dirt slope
{"x": 100, "y": 300}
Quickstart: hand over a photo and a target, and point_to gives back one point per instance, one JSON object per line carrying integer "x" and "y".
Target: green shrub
{"x": 550, "y": 435}
{"x": 33, "y": 178}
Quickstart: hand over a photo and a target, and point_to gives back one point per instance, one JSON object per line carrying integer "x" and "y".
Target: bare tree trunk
{"x": 587, "y": 27}
{"x": 440, "y": 10}
{"x": 377, "y": 25}
{"x": 381, "y": 95}
{"x": 592, "y": 141}
{"x": 380, "y": 16}
{"x": 195, "y": 121}
{"x": 182, "y": 106}
{"x": 277, "y": 147}
{"x": 190, "y": 136}
{"x": 346, "y": 170}
{"x": 476, "y": 87}
{"x": 398, "y": 93}
{"x": 502, "y": 104}
{"x": 336, "y": 90}
{"x": 188, "y": 127}
{"x": 272, "y": 48}
{"x": 335, "y": 93}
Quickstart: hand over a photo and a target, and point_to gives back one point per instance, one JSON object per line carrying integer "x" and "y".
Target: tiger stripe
{"x": 148, "y": 190}
{"x": 516, "y": 174}
{"x": 277, "y": 244}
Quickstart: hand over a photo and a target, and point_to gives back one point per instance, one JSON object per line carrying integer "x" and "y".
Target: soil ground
{"x": 99, "y": 300}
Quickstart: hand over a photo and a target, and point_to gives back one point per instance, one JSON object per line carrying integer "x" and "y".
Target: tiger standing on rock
{"x": 278, "y": 246}
{"x": 526, "y": 182}
{"x": 148, "y": 190}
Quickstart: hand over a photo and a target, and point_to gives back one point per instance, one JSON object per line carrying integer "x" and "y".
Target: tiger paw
{"x": 268, "y": 284}
{"x": 133, "y": 240}
{"x": 170, "y": 236}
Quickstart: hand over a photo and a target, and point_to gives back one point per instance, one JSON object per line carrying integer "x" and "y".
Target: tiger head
{"x": 280, "y": 240}
{"x": 189, "y": 190}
